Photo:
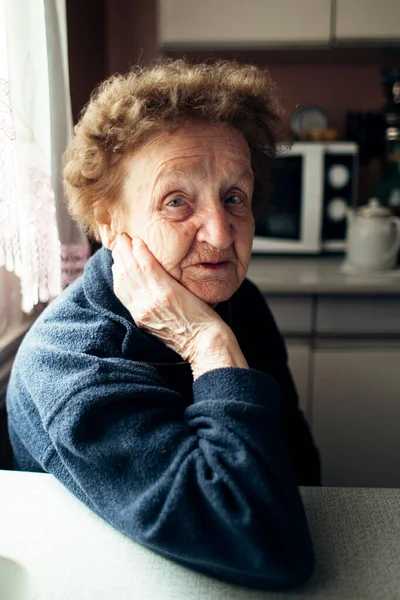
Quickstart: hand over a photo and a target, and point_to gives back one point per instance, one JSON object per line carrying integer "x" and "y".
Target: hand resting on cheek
{"x": 163, "y": 307}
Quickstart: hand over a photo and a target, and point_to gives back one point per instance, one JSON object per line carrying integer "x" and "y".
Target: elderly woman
{"x": 156, "y": 387}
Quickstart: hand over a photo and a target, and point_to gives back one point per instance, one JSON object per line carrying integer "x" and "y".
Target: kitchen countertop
{"x": 317, "y": 275}
{"x": 71, "y": 553}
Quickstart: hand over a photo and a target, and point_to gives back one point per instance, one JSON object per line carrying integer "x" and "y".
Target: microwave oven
{"x": 313, "y": 185}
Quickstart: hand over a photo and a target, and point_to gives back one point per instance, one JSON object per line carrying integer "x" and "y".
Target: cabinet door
{"x": 299, "y": 361}
{"x": 235, "y": 23}
{"x": 367, "y": 19}
{"x": 356, "y": 413}
{"x": 293, "y": 314}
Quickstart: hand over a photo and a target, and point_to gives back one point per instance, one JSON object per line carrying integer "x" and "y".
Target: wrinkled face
{"x": 188, "y": 195}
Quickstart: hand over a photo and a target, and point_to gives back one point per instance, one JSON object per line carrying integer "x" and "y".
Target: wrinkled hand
{"x": 161, "y": 305}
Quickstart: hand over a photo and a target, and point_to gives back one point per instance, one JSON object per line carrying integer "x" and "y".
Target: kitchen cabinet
{"x": 234, "y": 23}
{"x": 299, "y": 357}
{"x": 357, "y": 315}
{"x": 367, "y": 20}
{"x": 356, "y": 412}
{"x": 343, "y": 339}
{"x": 293, "y": 314}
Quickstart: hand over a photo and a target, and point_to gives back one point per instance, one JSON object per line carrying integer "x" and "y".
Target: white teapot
{"x": 373, "y": 238}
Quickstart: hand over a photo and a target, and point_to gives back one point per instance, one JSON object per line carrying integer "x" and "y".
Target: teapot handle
{"x": 395, "y": 248}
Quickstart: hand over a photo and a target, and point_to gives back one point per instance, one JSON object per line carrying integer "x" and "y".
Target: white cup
{"x": 15, "y": 582}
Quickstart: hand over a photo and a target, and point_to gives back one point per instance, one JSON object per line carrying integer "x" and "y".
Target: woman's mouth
{"x": 214, "y": 266}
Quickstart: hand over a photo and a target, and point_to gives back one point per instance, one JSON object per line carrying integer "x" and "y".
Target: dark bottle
{"x": 391, "y": 84}
{"x": 388, "y": 188}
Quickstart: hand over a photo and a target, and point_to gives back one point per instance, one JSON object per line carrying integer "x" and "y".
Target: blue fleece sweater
{"x": 205, "y": 472}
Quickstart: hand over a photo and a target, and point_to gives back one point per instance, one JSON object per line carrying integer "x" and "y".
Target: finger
{"x": 134, "y": 261}
{"x": 152, "y": 271}
{"x": 136, "y": 247}
{"x": 122, "y": 250}
{"x": 140, "y": 263}
{"x": 118, "y": 269}
{"x": 142, "y": 253}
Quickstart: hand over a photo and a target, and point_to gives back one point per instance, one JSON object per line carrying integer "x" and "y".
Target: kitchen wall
{"x": 337, "y": 79}
{"x": 336, "y": 88}
{"x": 106, "y": 37}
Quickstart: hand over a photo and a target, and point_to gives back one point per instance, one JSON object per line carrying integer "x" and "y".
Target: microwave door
{"x": 291, "y": 223}
{"x": 312, "y": 195}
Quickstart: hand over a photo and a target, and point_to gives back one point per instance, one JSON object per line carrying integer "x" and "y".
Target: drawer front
{"x": 362, "y": 315}
{"x": 293, "y": 314}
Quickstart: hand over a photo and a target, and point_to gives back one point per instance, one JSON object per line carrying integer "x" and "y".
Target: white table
{"x": 73, "y": 555}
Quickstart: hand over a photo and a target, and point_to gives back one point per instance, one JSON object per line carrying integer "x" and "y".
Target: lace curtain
{"x": 38, "y": 240}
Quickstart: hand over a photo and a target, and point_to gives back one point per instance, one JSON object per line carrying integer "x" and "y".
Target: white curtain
{"x": 38, "y": 240}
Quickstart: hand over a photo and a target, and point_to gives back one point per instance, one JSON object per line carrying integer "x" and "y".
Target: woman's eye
{"x": 178, "y": 209}
{"x": 176, "y": 202}
{"x": 233, "y": 199}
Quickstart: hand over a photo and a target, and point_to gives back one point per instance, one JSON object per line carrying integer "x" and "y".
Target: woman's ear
{"x": 107, "y": 235}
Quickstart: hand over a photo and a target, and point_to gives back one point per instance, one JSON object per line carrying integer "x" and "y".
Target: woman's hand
{"x": 165, "y": 308}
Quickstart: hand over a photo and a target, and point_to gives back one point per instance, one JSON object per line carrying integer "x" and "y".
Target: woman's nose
{"x": 216, "y": 228}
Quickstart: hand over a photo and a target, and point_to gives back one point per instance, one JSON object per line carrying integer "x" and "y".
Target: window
{"x": 35, "y": 125}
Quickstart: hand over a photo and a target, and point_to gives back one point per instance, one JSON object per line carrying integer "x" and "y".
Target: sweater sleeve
{"x": 265, "y": 350}
{"x": 208, "y": 485}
